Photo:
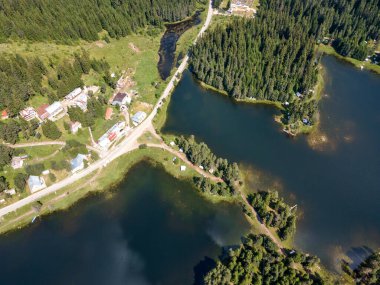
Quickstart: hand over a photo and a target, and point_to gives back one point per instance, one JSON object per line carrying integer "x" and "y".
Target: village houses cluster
{"x": 57, "y": 110}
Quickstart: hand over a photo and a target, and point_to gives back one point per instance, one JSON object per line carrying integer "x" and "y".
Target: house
{"x": 121, "y": 99}
{"x": 4, "y": 114}
{"x": 108, "y": 114}
{"x": 10, "y": 191}
{"x": 104, "y": 142}
{"x": 42, "y": 113}
{"x": 73, "y": 93}
{"x": 138, "y": 118}
{"x": 81, "y": 102}
{"x": 299, "y": 95}
{"x": 183, "y": 167}
{"x": 28, "y": 114}
{"x": 17, "y": 162}
{"x": 78, "y": 163}
{"x": 54, "y": 109}
{"x": 112, "y": 134}
{"x": 36, "y": 183}
{"x": 74, "y": 127}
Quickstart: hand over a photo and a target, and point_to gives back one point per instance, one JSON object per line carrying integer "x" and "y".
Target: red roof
{"x": 109, "y": 112}
{"x": 112, "y": 136}
{"x": 4, "y": 114}
{"x": 41, "y": 110}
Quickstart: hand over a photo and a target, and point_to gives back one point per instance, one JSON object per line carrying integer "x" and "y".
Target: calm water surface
{"x": 169, "y": 41}
{"x": 336, "y": 188}
{"x": 153, "y": 230}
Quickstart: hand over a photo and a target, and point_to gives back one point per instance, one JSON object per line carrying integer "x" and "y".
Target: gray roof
{"x": 34, "y": 181}
{"x": 77, "y": 161}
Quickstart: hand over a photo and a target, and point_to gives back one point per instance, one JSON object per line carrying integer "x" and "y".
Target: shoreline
{"x": 278, "y": 105}
{"x": 102, "y": 182}
{"x": 324, "y": 49}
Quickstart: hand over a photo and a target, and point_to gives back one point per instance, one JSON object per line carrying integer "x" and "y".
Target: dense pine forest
{"x": 272, "y": 57}
{"x": 66, "y": 20}
{"x": 257, "y": 261}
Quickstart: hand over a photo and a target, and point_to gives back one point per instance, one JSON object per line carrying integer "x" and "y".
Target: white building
{"x": 17, "y": 162}
{"x": 138, "y": 118}
{"x": 73, "y": 94}
{"x": 54, "y": 109}
{"x": 28, "y": 114}
{"x": 111, "y": 135}
{"x": 78, "y": 163}
{"x": 36, "y": 183}
{"x": 74, "y": 127}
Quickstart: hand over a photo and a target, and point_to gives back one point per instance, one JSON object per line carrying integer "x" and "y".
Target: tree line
{"x": 272, "y": 57}
{"x": 41, "y": 20}
{"x": 200, "y": 155}
{"x": 367, "y": 272}
{"x": 256, "y": 261}
{"x": 274, "y": 212}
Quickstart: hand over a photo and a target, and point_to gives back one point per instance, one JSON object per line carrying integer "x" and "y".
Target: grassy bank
{"x": 366, "y": 65}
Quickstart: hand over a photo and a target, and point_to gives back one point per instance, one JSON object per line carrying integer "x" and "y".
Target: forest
{"x": 257, "y": 261}
{"x": 65, "y": 21}
{"x": 272, "y": 57}
{"x": 274, "y": 212}
{"x": 200, "y": 154}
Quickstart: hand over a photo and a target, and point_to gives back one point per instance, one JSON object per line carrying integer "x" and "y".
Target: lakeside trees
{"x": 272, "y": 57}
{"x": 200, "y": 155}
{"x": 41, "y": 20}
{"x": 257, "y": 261}
{"x": 274, "y": 212}
{"x": 367, "y": 272}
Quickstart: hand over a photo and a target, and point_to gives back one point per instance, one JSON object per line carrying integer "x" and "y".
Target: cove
{"x": 169, "y": 41}
{"x": 337, "y": 189}
{"x": 153, "y": 229}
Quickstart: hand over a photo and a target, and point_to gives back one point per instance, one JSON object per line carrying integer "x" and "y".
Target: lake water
{"x": 169, "y": 41}
{"x": 154, "y": 229}
{"x": 336, "y": 186}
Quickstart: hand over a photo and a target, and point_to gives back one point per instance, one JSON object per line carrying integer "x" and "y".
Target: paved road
{"x": 129, "y": 142}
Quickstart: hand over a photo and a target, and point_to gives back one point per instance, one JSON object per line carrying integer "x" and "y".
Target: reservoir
{"x": 153, "y": 229}
{"x": 336, "y": 185}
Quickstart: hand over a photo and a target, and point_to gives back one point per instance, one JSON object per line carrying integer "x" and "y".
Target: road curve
{"x": 126, "y": 145}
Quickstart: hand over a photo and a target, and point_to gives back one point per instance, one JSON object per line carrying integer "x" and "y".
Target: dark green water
{"x": 337, "y": 189}
{"x": 153, "y": 230}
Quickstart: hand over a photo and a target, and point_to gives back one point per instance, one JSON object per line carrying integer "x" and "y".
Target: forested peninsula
{"x": 273, "y": 56}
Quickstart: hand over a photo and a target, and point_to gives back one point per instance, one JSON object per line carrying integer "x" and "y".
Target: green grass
{"x": 367, "y": 65}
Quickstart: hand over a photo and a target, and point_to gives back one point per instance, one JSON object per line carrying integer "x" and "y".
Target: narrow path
{"x": 183, "y": 157}
{"x": 20, "y": 145}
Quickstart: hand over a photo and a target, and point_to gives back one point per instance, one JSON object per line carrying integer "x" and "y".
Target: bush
{"x": 35, "y": 169}
{"x": 143, "y": 146}
{"x": 20, "y": 181}
{"x": 51, "y": 131}
{"x": 52, "y": 177}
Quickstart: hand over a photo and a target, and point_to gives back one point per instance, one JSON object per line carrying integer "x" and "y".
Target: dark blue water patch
{"x": 153, "y": 230}
{"x": 337, "y": 190}
{"x": 169, "y": 41}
